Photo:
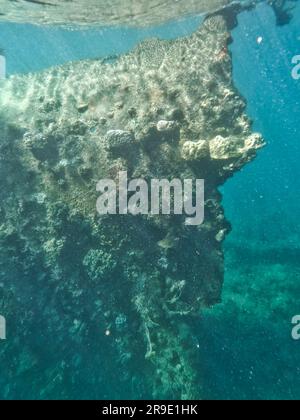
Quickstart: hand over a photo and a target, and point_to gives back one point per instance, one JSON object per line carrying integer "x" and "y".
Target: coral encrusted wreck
{"x": 87, "y": 286}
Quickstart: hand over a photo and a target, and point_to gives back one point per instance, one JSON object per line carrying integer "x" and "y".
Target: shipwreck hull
{"x": 131, "y": 287}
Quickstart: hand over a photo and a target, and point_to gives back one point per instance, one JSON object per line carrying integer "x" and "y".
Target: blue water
{"x": 247, "y": 350}
{"x": 262, "y": 74}
{"x": 31, "y": 48}
{"x": 250, "y": 352}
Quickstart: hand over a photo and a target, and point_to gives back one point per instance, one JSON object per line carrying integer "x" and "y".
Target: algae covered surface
{"x": 104, "y": 307}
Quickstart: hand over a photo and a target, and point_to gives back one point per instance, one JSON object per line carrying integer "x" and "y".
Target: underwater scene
{"x": 149, "y": 230}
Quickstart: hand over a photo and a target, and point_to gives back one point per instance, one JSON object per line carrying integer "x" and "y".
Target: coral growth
{"x": 165, "y": 110}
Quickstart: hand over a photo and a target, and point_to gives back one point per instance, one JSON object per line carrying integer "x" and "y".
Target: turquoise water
{"x": 262, "y": 285}
{"x": 246, "y": 347}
